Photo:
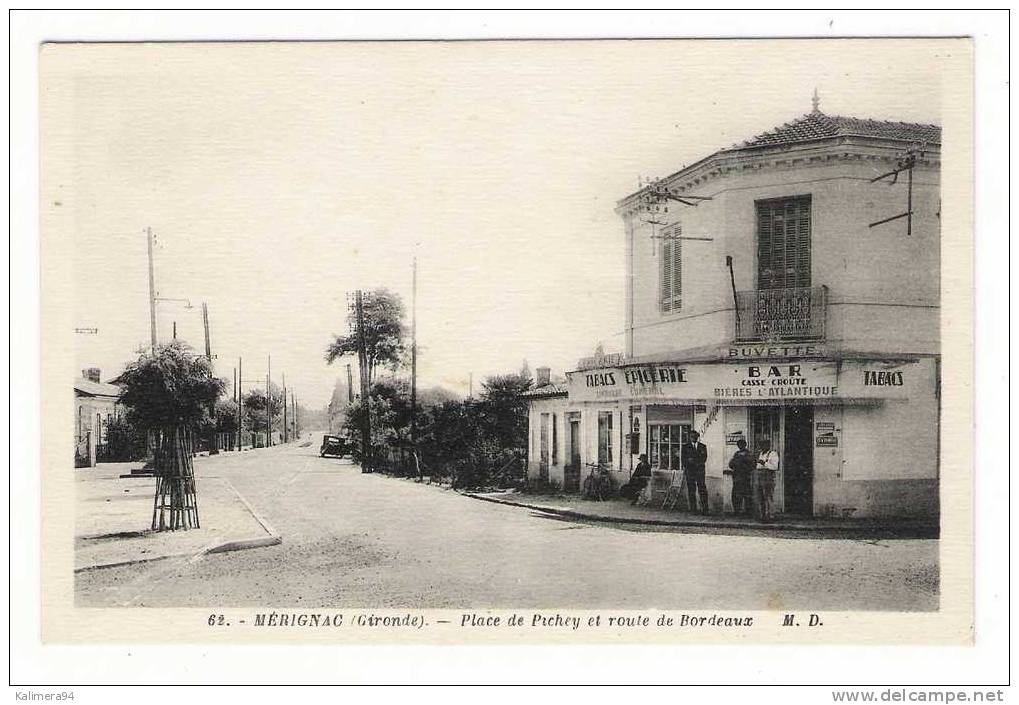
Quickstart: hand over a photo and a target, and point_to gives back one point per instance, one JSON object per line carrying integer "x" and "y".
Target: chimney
{"x": 543, "y": 374}
{"x": 91, "y": 374}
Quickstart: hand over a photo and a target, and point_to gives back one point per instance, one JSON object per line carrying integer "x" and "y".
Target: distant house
{"x": 95, "y": 405}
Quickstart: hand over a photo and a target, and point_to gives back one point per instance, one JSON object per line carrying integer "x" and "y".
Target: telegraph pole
{"x": 240, "y": 403}
{"x": 152, "y": 291}
{"x": 285, "y": 434}
{"x": 213, "y": 445}
{"x": 268, "y": 402}
{"x": 205, "y": 321}
{"x": 362, "y": 358}
{"x": 414, "y": 358}
{"x": 350, "y": 386}
{"x": 235, "y": 401}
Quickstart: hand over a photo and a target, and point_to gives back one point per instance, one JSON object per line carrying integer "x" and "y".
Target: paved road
{"x": 357, "y": 540}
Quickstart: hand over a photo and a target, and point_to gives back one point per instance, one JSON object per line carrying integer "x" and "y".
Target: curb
{"x": 274, "y": 538}
{"x": 262, "y": 521}
{"x": 904, "y": 531}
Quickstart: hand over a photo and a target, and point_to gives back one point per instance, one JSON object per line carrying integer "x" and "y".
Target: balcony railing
{"x": 764, "y": 315}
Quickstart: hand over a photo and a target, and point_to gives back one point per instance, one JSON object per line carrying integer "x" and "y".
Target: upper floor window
{"x": 783, "y": 243}
{"x": 671, "y": 270}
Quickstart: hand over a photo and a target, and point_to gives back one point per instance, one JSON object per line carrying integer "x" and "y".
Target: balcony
{"x": 773, "y": 315}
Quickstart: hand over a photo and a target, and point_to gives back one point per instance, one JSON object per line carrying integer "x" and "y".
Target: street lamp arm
{"x": 187, "y": 302}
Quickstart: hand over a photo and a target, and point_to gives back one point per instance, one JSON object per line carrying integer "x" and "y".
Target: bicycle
{"x": 599, "y": 484}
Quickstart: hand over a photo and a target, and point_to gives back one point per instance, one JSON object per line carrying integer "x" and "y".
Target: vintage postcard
{"x": 471, "y": 342}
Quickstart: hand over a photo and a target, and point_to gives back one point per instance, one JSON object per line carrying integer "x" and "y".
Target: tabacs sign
{"x": 764, "y": 381}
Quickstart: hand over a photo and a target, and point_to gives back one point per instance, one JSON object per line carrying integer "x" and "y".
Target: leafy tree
{"x": 383, "y": 333}
{"x": 124, "y": 441}
{"x": 505, "y": 410}
{"x": 226, "y": 416}
{"x": 255, "y": 402}
{"x": 168, "y": 392}
{"x": 169, "y": 387}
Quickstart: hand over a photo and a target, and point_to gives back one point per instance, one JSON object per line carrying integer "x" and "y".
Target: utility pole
{"x": 414, "y": 358}
{"x": 268, "y": 402}
{"x": 152, "y": 291}
{"x": 285, "y": 435}
{"x": 362, "y": 358}
{"x": 205, "y": 321}
{"x": 235, "y": 400}
{"x": 213, "y": 445}
{"x": 240, "y": 403}
{"x": 175, "y": 330}
{"x": 350, "y": 386}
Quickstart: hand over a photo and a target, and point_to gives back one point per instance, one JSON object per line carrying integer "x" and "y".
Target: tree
{"x": 255, "y": 403}
{"x": 505, "y": 410}
{"x": 226, "y": 416}
{"x": 124, "y": 441}
{"x": 168, "y": 392}
{"x": 383, "y": 333}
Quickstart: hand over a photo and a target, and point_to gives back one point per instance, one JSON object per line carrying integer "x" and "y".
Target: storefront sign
{"x": 825, "y": 435}
{"x": 771, "y": 381}
{"x": 758, "y": 351}
{"x": 735, "y": 432}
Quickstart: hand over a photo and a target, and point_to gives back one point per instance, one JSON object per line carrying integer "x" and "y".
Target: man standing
{"x": 741, "y": 467}
{"x": 767, "y": 466}
{"x": 695, "y": 456}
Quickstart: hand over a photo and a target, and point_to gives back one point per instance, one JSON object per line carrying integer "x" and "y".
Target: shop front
{"x": 855, "y": 437}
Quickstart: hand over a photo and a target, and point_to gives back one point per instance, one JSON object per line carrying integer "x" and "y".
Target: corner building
{"x": 765, "y": 299}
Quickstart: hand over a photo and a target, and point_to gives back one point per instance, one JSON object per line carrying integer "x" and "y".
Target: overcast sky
{"x": 279, "y": 177}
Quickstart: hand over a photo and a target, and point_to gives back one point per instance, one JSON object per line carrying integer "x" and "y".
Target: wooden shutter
{"x": 671, "y": 270}
{"x": 800, "y": 254}
{"x": 783, "y": 243}
{"x": 667, "y": 275}
{"x": 677, "y": 271}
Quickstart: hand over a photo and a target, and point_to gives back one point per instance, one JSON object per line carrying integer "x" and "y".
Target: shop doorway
{"x": 765, "y": 424}
{"x": 571, "y": 473}
{"x": 798, "y": 464}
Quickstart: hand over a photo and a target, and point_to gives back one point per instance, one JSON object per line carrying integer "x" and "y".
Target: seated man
{"x": 638, "y": 481}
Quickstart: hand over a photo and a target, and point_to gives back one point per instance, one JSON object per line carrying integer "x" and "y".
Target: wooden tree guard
{"x": 176, "y": 502}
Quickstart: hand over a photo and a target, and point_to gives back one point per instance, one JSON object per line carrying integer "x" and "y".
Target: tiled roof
{"x": 95, "y": 389}
{"x": 818, "y": 126}
{"x": 547, "y": 390}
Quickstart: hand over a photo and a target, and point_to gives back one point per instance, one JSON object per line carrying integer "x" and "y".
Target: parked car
{"x": 333, "y": 445}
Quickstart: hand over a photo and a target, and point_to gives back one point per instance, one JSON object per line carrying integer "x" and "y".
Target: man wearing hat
{"x": 695, "y": 457}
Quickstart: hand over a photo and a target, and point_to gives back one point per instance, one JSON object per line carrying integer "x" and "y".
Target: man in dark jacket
{"x": 741, "y": 467}
{"x": 695, "y": 457}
